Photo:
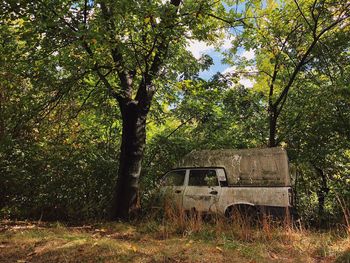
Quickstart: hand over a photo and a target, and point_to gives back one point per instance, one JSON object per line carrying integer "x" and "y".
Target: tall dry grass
{"x": 238, "y": 226}
{"x": 346, "y": 212}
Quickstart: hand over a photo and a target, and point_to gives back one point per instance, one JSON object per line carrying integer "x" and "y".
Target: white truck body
{"x": 217, "y": 181}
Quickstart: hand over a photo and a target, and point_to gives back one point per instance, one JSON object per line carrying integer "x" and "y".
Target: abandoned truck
{"x": 255, "y": 181}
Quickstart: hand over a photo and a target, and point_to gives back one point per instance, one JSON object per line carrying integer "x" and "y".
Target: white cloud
{"x": 243, "y": 75}
{"x": 229, "y": 70}
{"x": 226, "y": 43}
{"x": 251, "y": 70}
{"x": 198, "y": 48}
{"x": 246, "y": 82}
{"x": 248, "y": 54}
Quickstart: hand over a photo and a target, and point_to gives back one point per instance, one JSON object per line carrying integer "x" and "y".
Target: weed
{"x": 344, "y": 257}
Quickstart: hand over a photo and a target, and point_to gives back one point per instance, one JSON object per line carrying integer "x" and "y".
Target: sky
{"x": 199, "y": 48}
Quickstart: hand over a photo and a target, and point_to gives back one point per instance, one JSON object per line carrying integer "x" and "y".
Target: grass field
{"x": 182, "y": 241}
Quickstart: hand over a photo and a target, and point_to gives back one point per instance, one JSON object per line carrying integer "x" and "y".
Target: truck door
{"x": 173, "y": 184}
{"x": 203, "y": 190}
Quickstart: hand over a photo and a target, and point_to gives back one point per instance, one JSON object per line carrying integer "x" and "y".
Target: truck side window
{"x": 174, "y": 178}
{"x": 203, "y": 178}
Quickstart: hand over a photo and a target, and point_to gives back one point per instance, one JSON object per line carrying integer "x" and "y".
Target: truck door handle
{"x": 177, "y": 191}
{"x": 214, "y": 192}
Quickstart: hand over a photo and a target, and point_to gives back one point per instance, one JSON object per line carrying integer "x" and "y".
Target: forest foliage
{"x": 61, "y": 125}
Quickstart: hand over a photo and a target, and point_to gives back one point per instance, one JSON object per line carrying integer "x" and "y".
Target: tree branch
{"x": 305, "y": 57}
{"x": 146, "y": 88}
{"x": 124, "y": 76}
{"x": 302, "y": 14}
{"x": 231, "y": 23}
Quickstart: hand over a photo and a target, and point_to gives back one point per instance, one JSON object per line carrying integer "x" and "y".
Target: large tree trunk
{"x": 272, "y": 126}
{"x": 125, "y": 202}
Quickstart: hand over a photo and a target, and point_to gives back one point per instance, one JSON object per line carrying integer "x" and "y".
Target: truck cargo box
{"x": 246, "y": 167}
